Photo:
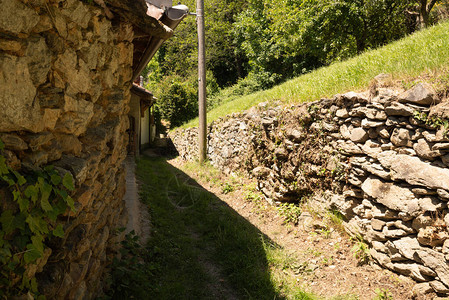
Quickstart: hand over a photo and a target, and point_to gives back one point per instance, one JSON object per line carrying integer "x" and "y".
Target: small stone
{"x": 370, "y": 124}
{"x": 399, "y": 109}
{"x": 359, "y": 135}
{"x": 401, "y": 137}
{"x": 443, "y": 194}
{"x": 342, "y": 113}
{"x": 377, "y": 224}
{"x": 440, "y": 146}
{"x": 439, "y": 287}
{"x": 423, "y": 149}
{"x": 421, "y": 94}
{"x": 13, "y": 142}
{"x": 421, "y": 289}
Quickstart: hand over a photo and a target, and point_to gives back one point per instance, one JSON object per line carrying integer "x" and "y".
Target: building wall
{"x": 380, "y": 158}
{"x": 145, "y": 129}
{"x": 64, "y": 92}
{"x": 135, "y": 113}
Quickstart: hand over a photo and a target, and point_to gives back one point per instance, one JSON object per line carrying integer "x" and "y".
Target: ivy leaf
{"x": 7, "y": 179}
{"x": 56, "y": 179}
{"x": 19, "y": 221}
{"x": 31, "y": 254}
{"x": 59, "y": 231}
{"x": 24, "y": 203}
{"x": 37, "y": 243}
{"x": 33, "y": 224}
{"x": 32, "y": 192}
{"x": 71, "y": 203}
{"x": 3, "y": 167}
{"x": 45, "y": 192}
{"x": 34, "y": 285}
{"x": 7, "y": 220}
{"x": 62, "y": 193}
{"x": 67, "y": 181}
{"x": 20, "y": 179}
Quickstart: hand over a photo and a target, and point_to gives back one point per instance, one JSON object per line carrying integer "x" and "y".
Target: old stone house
{"x": 66, "y": 72}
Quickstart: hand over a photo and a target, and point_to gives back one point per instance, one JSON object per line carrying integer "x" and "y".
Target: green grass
{"x": 190, "y": 224}
{"x": 423, "y": 52}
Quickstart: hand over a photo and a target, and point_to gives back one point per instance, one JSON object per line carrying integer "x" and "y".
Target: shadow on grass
{"x": 200, "y": 248}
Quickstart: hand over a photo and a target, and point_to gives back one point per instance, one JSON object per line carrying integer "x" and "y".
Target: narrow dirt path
{"x": 323, "y": 257}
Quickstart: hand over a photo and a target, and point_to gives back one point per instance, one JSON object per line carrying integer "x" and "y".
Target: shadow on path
{"x": 200, "y": 248}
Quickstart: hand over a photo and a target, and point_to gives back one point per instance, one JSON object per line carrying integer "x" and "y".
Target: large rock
{"x": 435, "y": 261}
{"x": 392, "y": 196}
{"x": 16, "y": 17}
{"x": 416, "y": 172}
{"x": 422, "y": 94}
{"x": 18, "y": 110}
{"x": 39, "y": 60}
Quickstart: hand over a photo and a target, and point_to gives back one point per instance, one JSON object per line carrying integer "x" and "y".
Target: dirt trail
{"x": 326, "y": 264}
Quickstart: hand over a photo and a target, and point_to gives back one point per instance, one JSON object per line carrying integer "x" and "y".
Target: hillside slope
{"x": 424, "y": 53}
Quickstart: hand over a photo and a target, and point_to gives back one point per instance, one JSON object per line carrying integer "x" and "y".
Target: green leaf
{"x": 3, "y": 167}
{"x": 7, "y": 178}
{"x": 67, "y": 181}
{"x": 7, "y": 220}
{"x": 71, "y": 203}
{"x": 32, "y": 192}
{"x": 34, "y": 224}
{"x": 62, "y": 193}
{"x": 41, "y": 297}
{"x": 20, "y": 179}
{"x": 56, "y": 179}
{"x": 31, "y": 254}
{"x": 59, "y": 231}
{"x": 24, "y": 203}
{"x": 37, "y": 241}
{"x": 34, "y": 285}
{"x": 19, "y": 221}
{"x": 45, "y": 195}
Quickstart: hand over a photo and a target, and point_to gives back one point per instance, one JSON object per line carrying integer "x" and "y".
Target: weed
{"x": 227, "y": 188}
{"x": 361, "y": 250}
{"x": 131, "y": 272}
{"x": 290, "y": 212}
{"x": 335, "y": 219}
{"x": 383, "y": 294}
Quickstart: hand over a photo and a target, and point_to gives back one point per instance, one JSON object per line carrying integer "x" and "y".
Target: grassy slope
{"x": 423, "y": 52}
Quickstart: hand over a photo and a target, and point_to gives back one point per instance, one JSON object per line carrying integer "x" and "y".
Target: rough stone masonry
{"x": 65, "y": 72}
{"x": 380, "y": 158}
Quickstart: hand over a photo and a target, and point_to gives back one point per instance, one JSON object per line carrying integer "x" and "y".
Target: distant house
{"x": 141, "y": 122}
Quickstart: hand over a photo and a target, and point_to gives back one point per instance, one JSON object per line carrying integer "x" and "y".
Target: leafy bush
{"x": 177, "y": 101}
{"x": 130, "y": 274}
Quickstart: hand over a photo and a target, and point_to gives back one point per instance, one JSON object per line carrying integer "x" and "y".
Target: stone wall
{"x": 380, "y": 158}
{"x": 65, "y": 72}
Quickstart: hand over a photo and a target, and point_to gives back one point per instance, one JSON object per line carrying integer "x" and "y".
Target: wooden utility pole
{"x": 202, "y": 134}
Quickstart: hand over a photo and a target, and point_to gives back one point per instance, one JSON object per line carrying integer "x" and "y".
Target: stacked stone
{"x": 397, "y": 191}
{"x": 64, "y": 86}
{"x": 385, "y": 167}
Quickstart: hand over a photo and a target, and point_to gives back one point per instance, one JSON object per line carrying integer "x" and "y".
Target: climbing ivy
{"x": 30, "y": 204}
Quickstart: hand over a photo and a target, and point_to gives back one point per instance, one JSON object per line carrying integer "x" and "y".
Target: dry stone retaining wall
{"x": 65, "y": 73}
{"x": 380, "y": 158}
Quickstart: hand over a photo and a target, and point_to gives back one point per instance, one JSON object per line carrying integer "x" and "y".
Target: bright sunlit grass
{"x": 423, "y": 52}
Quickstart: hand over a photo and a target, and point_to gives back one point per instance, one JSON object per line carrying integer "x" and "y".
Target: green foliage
{"x": 383, "y": 294}
{"x": 361, "y": 250}
{"x": 30, "y": 208}
{"x": 177, "y": 101}
{"x": 290, "y": 212}
{"x": 227, "y": 188}
{"x": 131, "y": 273}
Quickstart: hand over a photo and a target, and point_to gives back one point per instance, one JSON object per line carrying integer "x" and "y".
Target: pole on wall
{"x": 202, "y": 134}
